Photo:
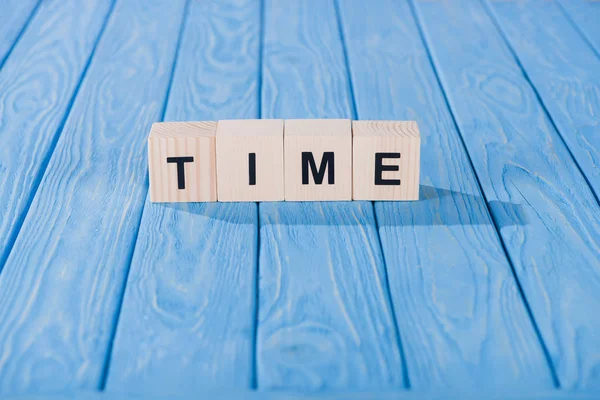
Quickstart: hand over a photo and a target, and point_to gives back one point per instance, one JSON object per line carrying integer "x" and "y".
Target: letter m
{"x": 327, "y": 164}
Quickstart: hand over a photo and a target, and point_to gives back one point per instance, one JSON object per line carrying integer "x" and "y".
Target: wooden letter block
{"x": 318, "y": 159}
{"x": 250, "y": 160}
{"x": 386, "y": 160}
{"x": 181, "y": 161}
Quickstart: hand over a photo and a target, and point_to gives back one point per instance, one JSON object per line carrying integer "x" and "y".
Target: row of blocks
{"x": 276, "y": 160}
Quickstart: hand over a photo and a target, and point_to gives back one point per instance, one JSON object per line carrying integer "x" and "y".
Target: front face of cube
{"x": 182, "y": 169}
{"x": 318, "y": 168}
{"x": 250, "y": 161}
{"x": 386, "y": 168}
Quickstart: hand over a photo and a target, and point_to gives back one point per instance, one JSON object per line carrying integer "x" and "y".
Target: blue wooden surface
{"x": 488, "y": 285}
{"x": 37, "y": 86}
{"x": 554, "y": 241}
{"x": 566, "y": 75}
{"x": 462, "y": 320}
{"x": 61, "y": 286}
{"x": 189, "y": 259}
{"x": 14, "y": 18}
{"x": 324, "y": 320}
{"x": 291, "y": 395}
{"x": 584, "y": 15}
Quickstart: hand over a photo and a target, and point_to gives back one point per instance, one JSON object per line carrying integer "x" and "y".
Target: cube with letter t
{"x": 318, "y": 159}
{"x": 250, "y": 160}
{"x": 181, "y": 161}
{"x": 386, "y": 160}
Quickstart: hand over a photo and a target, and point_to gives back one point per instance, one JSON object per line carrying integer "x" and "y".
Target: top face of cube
{"x": 399, "y": 129}
{"x": 251, "y": 127}
{"x": 183, "y": 129}
{"x": 318, "y": 127}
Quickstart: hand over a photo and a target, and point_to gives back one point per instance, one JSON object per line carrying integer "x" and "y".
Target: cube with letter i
{"x": 318, "y": 159}
{"x": 250, "y": 160}
{"x": 181, "y": 161}
{"x": 386, "y": 157}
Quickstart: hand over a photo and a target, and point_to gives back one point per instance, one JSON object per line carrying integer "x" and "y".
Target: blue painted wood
{"x": 62, "y": 283}
{"x": 554, "y": 241}
{"x": 14, "y": 18}
{"x": 324, "y": 315}
{"x": 282, "y": 395}
{"x": 565, "y": 73}
{"x": 585, "y": 15}
{"x": 460, "y": 314}
{"x": 324, "y": 282}
{"x": 188, "y": 313}
{"x": 37, "y": 84}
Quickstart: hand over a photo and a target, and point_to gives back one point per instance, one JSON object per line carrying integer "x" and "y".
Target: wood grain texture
{"x": 324, "y": 321}
{"x": 62, "y": 283}
{"x": 554, "y": 242}
{"x": 188, "y": 313}
{"x": 324, "y": 317}
{"x": 292, "y": 33}
{"x": 194, "y": 142}
{"x": 225, "y": 394}
{"x": 236, "y": 141}
{"x": 565, "y": 73}
{"x": 317, "y": 137}
{"x": 13, "y": 20}
{"x": 585, "y": 14}
{"x": 462, "y": 321}
{"x": 387, "y": 178}
{"x": 37, "y": 84}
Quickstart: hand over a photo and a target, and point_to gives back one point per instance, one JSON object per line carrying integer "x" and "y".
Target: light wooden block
{"x": 181, "y": 162}
{"x": 318, "y": 159}
{"x": 250, "y": 160}
{"x": 386, "y": 157}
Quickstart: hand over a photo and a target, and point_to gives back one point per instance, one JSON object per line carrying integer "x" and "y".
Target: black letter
{"x": 379, "y": 168}
{"x": 308, "y": 158}
{"x": 180, "y": 170}
{"x": 252, "y": 169}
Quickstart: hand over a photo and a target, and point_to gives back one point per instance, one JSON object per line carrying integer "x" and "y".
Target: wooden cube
{"x": 181, "y": 161}
{"x": 386, "y": 156}
{"x": 318, "y": 159}
{"x": 250, "y": 160}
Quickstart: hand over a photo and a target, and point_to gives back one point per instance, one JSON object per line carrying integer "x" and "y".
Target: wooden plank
{"x": 462, "y": 320}
{"x": 62, "y": 283}
{"x": 585, "y": 15}
{"x": 37, "y": 85}
{"x": 554, "y": 240}
{"x": 565, "y": 73}
{"x": 324, "y": 313}
{"x": 283, "y": 395}
{"x": 188, "y": 313}
{"x": 14, "y": 19}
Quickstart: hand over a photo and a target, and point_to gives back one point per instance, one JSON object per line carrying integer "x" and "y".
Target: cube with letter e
{"x": 386, "y": 158}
